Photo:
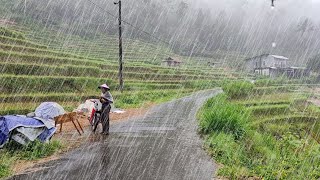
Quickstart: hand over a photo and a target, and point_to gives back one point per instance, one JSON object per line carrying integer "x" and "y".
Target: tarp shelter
{"x": 23, "y": 129}
{"x": 49, "y": 110}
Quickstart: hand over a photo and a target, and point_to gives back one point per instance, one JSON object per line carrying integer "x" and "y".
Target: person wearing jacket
{"x": 106, "y": 100}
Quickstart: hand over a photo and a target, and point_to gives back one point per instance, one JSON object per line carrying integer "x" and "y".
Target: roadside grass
{"x": 138, "y": 99}
{"x": 32, "y": 151}
{"x": 6, "y": 161}
{"x": 238, "y": 89}
{"x": 279, "y": 139}
{"x": 227, "y": 117}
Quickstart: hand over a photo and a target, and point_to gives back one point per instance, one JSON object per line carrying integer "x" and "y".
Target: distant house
{"x": 273, "y": 66}
{"x": 172, "y": 62}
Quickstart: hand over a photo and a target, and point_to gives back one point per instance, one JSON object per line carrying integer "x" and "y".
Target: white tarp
{"x": 49, "y": 110}
{"x": 89, "y": 105}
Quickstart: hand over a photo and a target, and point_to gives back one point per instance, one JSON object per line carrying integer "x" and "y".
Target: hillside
{"x": 46, "y": 65}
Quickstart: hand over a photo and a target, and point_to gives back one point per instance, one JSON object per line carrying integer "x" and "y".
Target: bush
{"x": 218, "y": 115}
{"x": 238, "y": 89}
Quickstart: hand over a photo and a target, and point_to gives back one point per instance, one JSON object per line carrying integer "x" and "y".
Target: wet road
{"x": 161, "y": 145}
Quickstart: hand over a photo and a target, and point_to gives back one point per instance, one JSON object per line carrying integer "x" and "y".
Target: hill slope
{"x": 47, "y": 65}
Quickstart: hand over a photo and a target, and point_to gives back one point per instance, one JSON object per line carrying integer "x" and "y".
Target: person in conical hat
{"x": 106, "y": 99}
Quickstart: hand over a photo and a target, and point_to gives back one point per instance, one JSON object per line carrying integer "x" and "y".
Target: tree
{"x": 182, "y": 9}
{"x": 305, "y": 26}
{"x": 314, "y": 65}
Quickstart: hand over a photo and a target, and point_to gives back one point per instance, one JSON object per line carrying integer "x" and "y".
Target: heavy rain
{"x": 159, "y": 89}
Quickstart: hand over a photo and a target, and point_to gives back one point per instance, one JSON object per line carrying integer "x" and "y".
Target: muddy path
{"x": 161, "y": 145}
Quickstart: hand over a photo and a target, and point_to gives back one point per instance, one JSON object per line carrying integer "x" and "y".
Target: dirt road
{"x": 161, "y": 145}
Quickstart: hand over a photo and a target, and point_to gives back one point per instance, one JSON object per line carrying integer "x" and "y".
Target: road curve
{"x": 162, "y": 145}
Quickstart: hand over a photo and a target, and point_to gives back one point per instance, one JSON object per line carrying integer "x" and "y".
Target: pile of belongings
{"x": 89, "y": 105}
{"x": 24, "y": 129}
{"x": 94, "y": 104}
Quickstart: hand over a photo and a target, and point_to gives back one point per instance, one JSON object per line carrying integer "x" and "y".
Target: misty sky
{"x": 292, "y": 9}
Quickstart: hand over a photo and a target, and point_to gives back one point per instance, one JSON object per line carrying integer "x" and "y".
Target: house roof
{"x": 275, "y": 56}
{"x": 257, "y": 56}
{"x": 293, "y": 67}
{"x": 280, "y": 57}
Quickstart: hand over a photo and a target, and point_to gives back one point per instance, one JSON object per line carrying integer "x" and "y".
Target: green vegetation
{"x": 279, "y": 135}
{"x": 6, "y": 161}
{"x": 238, "y": 89}
{"x": 227, "y": 118}
{"x": 32, "y": 151}
{"x": 10, "y": 33}
{"x": 51, "y": 66}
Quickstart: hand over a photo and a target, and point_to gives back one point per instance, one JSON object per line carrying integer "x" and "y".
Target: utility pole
{"x": 272, "y": 3}
{"x": 120, "y": 49}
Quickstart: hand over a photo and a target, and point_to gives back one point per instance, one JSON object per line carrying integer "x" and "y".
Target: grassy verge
{"x": 33, "y": 151}
{"x": 277, "y": 141}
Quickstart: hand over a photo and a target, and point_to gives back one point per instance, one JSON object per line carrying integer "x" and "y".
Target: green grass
{"x": 238, "y": 89}
{"x": 130, "y": 72}
{"x": 264, "y": 110}
{"x": 227, "y": 117}
{"x": 10, "y": 33}
{"x": 16, "y": 41}
{"x": 32, "y": 50}
{"x": 138, "y": 99}
{"x": 280, "y": 140}
{"x": 25, "y": 103}
{"x": 284, "y": 81}
{"x": 6, "y": 161}
{"x": 32, "y": 151}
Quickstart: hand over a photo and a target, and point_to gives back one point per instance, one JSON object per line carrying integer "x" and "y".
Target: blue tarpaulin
{"x": 25, "y": 129}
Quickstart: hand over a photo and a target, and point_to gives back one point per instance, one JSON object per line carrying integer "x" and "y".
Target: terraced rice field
{"x": 50, "y": 66}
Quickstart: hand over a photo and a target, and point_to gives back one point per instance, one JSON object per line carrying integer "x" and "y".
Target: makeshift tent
{"x": 49, "y": 110}
{"x": 23, "y": 129}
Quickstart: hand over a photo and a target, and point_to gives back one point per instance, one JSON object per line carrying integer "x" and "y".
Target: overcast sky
{"x": 293, "y": 9}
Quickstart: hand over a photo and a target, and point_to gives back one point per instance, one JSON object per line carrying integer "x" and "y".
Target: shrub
{"x": 218, "y": 115}
{"x": 238, "y": 89}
